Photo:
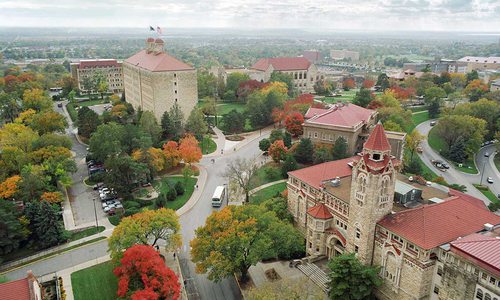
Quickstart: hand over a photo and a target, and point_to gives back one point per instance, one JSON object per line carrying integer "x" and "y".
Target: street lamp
{"x": 95, "y": 214}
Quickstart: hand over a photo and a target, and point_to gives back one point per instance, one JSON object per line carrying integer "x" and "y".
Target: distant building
{"x": 495, "y": 85}
{"x": 304, "y": 73}
{"x": 110, "y": 69}
{"x": 23, "y": 289}
{"x": 351, "y": 122}
{"x": 313, "y": 56}
{"x": 480, "y": 63}
{"x": 444, "y": 65}
{"x": 344, "y": 54}
{"x": 154, "y": 80}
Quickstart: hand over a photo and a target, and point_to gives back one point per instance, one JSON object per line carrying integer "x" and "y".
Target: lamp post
{"x": 95, "y": 214}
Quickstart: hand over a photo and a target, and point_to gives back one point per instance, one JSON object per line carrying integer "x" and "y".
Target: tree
{"x": 454, "y": 127}
{"x": 196, "y": 124}
{"x": 172, "y": 154}
{"x": 434, "y": 97}
{"x": 277, "y": 150}
{"x": 285, "y": 78}
{"x": 475, "y": 90}
{"x": 36, "y": 99}
{"x": 304, "y": 150}
{"x": 171, "y": 194}
{"x": 88, "y": 121}
{"x": 207, "y": 84}
{"x": 241, "y": 171}
{"x": 390, "y": 125}
{"x": 287, "y": 139}
{"x": 323, "y": 87}
{"x": 149, "y": 125}
{"x": 363, "y": 97}
{"x": 383, "y": 82}
{"x": 264, "y": 145}
{"x": 483, "y": 109}
{"x": 9, "y": 107}
{"x": 145, "y": 228}
{"x": 177, "y": 118}
{"x": 189, "y": 150}
{"x": 293, "y": 123}
{"x": 44, "y": 224}
{"x": 9, "y": 187}
{"x": 348, "y": 84}
{"x": 350, "y": 279}
{"x": 209, "y": 107}
{"x": 48, "y": 122}
{"x": 102, "y": 87}
{"x": 68, "y": 84}
{"x": 233, "y": 122}
{"x": 233, "y": 81}
{"x": 339, "y": 149}
{"x": 123, "y": 173}
{"x": 457, "y": 151}
{"x": 167, "y": 125}
{"x": 142, "y": 274}
{"x": 473, "y": 75}
{"x": 106, "y": 141}
{"x": 238, "y": 237}
{"x": 17, "y": 135}
{"x": 153, "y": 158}
{"x": 322, "y": 154}
{"x": 11, "y": 229}
{"x": 289, "y": 164}
{"x": 413, "y": 140}
{"x": 368, "y": 84}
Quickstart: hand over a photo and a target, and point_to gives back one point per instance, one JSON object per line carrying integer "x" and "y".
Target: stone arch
{"x": 384, "y": 185}
{"x": 334, "y": 245}
{"x": 391, "y": 266}
{"x": 362, "y": 182}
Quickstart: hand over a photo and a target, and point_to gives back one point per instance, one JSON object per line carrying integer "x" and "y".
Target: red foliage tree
{"x": 403, "y": 93}
{"x": 277, "y": 150}
{"x": 374, "y": 104}
{"x": 293, "y": 123}
{"x": 348, "y": 84}
{"x": 368, "y": 84}
{"x": 189, "y": 149}
{"x": 141, "y": 266}
{"x": 247, "y": 87}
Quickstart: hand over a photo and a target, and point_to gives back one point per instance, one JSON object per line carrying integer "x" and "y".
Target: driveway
{"x": 451, "y": 175}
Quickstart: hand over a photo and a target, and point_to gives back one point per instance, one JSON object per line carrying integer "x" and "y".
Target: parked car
{"x": 59, "y": 104}
{"x": 489, "y": 179}
{"x": 433, "y": 123}
{"x": 486, "y": 154}
{"x": 420, "y": 149}
{"x": 445, "y": 165}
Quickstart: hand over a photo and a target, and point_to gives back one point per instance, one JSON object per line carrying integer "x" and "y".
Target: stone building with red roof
{"x": 22, "y": 289}
{"x": 351, "y": 122}
{"x": 348, "y": 206}
{"x": 155, "y": 81}
{"x": 109, "y": 69}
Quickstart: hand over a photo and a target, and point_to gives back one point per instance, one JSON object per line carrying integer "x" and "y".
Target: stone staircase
{"x": 315, "y": 274}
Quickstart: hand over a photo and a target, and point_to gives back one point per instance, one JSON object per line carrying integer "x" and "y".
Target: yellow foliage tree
{"x": 9, "y": 187}
{"x": 17, "y": 135}
{"x": 52, "y": 197}
{"x": 276, "y": 86}
{"x": 36, "y": 99}
{"x": 26, "y": 117}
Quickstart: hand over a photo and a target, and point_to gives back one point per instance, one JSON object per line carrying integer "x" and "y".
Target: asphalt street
{"x": 487, "y": 168}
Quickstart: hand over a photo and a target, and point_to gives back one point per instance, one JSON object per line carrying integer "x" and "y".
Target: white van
{"x": 219, "y": 196}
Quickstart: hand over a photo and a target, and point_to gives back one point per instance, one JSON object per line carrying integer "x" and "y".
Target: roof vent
{"x": 335, "y": 182}
{"x": 488, "y": 226}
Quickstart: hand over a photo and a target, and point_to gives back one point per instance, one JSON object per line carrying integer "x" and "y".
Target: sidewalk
{"x": 195, "y": 197}
{"x": 220, "y": 141}
{"x": 266, "y": 185}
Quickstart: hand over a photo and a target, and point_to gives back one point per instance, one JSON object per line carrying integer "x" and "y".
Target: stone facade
{"x": 109, "y": 69}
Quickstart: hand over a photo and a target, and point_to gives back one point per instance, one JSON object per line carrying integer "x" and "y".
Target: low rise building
{"x": 87, "y": 71}
{"x": 155, "y": 81}
{"x": 314, "y": 56}
{"x": 22, "y": 289}
{"x": 481, "y": 63}
{"x": 344, "y": 54}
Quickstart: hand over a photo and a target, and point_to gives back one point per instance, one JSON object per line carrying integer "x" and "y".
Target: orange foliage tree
{"x": 189, "y": 149}
{"x": 293, "y": 123}
{"x": 143, "y": 275}
{"x": 277, "y": 150}
{"x": 172, "y": 154}
{"x": 368, "y": 84}
{"x": 9, "y": 187}
{"x": 348, "y": 84}
{"x": 52, "y": 197}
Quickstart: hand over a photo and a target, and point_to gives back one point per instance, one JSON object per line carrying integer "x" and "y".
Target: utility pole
{"x": 95, "y": 214}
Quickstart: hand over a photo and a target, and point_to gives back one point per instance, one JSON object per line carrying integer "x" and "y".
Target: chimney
{"x": 158, "y": 46}
{"x": 150, "y": 44}
{"x": 488, "y": 226}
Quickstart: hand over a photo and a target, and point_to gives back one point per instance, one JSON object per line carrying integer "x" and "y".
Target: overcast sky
{"x": 427, "y": 15}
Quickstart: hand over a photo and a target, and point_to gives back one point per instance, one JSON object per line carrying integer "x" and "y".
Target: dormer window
{"x": 376, "y": 156}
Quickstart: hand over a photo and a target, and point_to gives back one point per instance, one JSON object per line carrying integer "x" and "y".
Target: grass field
{"x": 164, "y": 185}
{"x": 224, "y": 108}
{"x": 267, "y": 193}
{"x": 486, "y": 191}
{"x": 268, "y": 173}
{"x": 91, "y": 102}
{"x": 95, "y": 283}
{"x": 208, "y": 145}
{"x": 72, "y": 112}
{"x": 76, "y": 235}
{"x": 418, "y": 118}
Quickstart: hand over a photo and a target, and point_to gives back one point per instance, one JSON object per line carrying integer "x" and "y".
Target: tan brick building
{"x": 351, "y": 122}
{"x": 154, "y": 80}
{"x": 481, "y": 63}
{"x": 347, "y": 206}
{"x": 110, "y": 69}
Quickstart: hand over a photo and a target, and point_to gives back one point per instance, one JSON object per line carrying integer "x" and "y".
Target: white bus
{"x": 219, "y": 196}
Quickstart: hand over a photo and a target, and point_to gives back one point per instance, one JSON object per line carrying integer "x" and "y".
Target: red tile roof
{"x": 480, "y": 249}
{"x": 377, "y": 140}
{"x": 282, "y": 63}
{"x": 344, "y": 115}
{"x": 98, "y": 63}
{"x": 320, "y": 211}
{"x": 15, "y": 290}
{"x": 157, "y": 62}
{"x": 432, "y": 225}
{"x": 316, "y": 174}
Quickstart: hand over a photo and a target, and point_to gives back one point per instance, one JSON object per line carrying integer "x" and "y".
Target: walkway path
{"x": 266, "y": 185}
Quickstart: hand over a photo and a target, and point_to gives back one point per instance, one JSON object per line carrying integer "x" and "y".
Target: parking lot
{"x": 108, "y": 197}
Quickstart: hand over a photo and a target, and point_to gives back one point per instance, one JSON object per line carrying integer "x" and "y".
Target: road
{"x": 487, "y": 168}
{"x": 451, "y": 175}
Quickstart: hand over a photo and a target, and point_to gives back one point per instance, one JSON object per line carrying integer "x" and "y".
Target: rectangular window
{"x": 492, "y": 280}
{"x": 440, "y": 271}
{"x": 436, "y": 290}
{"x": 356, "y": 248}
{"x": 484, "y": 276}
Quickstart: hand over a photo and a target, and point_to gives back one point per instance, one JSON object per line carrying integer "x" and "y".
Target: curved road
{"x": 487, "y": 166}
{"x": 452, "y": 175}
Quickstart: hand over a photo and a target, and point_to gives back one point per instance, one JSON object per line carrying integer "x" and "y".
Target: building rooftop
{"x": 15, "y": 290}
{"x": 157, "y": 62}
{"x": 377, "y": 140}
{"x": 429, "y": 226}
{"x": 343, "y": 115}
{"x": 320, "y": 211}
{"x": 282, "y": 63}
{"x": 403, "y": 188}
{"x": 343, "y": 191}
{"x": 317, "y": 174}
{"x": 481, "y": 59}
{"x": 98, "y": 63}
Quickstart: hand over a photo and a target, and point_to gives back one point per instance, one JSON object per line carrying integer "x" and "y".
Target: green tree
{"x": 454, "y": 127}
{"x": 177, "y": 118}
{"x": 321, "y": 155}
{"x": 9, "y": 107}
{"x": 234, "y": 79}
{"x": 339, "y": 149}
{"x": 413, "y": 140}
{"x": 207, "y": 84}
{"x": 457, "y": 151}
{"x": 303, "y": 151}
{"x": 238, "y": 237}
{"x": 11, "y": 229}
{"x": 390, "y": 125}
{"x": 289, "y": 164}
{"x": 124, "y": 173}
{"x": 233, "y": 122}
{"x": 106, "y": 141}
{"x": 45, "y": 224}
{"x": 48, "y": 121}
{"x": 383, "y": 82}
{"x": 149, "y": 125}
{"x": 363, "y": 97}
{"x": 264, "y": 145}
{"x": 283, "y": 77}
{"x": 434, "y": 98}
{"x": 473, "y": 75}
{"x": 351, "y": 280}
{"x": 167, "y": 125}
{"x": 196, "y": 124}
{"x": 88, "y": 121}
{"x": 102, "y": 87}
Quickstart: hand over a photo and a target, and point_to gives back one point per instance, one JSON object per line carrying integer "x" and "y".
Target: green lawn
{"x": 497, "y": 161}
{"x": 208, "y": 145}
{"x": 267, "y": 193}
{"x": 72, "y": 112}
{"x": 486, "y": 191}
{"x": 418, "y": 108}
{"x": 267, "y": 173}
{"x": 91, "y": 102}
{"x": 418, "y": 118}
{"x": 438, "y": 144}
{"x": 224, "y": 108}
{"x": 95, "y": 283}
{"x": 346, "y": 96}
{"x": 163, "y": 186}
{"x": 76, "y": 235}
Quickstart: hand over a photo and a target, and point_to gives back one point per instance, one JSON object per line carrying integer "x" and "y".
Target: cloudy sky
{"x": 428, "y": 15}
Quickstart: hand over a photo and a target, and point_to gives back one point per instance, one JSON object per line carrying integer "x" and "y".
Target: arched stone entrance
{"x": 334, "y": 246}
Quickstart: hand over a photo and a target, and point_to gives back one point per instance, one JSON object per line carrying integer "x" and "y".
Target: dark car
{"x": 59, "y": 104}
{"x": 433, "y": 123}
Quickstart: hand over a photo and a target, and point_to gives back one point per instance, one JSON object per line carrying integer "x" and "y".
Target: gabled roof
{"x": 481, "y": 249}
{"x": 377, "y": 140}
{"x": 282, "y": 63}
{"x": 320, "y": 211}
{"x": 157, "y": 62}
{"x": 432, "y": 225}
{"x": 98, "y": 63}
{"x": 344, "y": 115}
{"x": 15, "y": 290}
{"x": 316, "y": 174}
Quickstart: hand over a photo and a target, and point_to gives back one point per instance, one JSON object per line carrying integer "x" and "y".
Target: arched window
{"x": 487, "y": 296}
{"x": 479, "y": 294}
{"x": 385, "y": 186}
{"x": 362, "y": 183}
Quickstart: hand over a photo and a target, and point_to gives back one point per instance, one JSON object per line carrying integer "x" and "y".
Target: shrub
{"x": 171, "y": 194}
{"x": 179, "y": 188}
{"x": 272, "y": 173}
{"x": 131, "y": 211}
{"x": 161, "y": 201}
{"x": 131, "y": 204}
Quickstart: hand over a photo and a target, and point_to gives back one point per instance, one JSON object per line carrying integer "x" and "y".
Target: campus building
{"x": 154, "y": 80}
{"x": 344, "y": 54}
{"x": 87, "y": 71}
{"x": 348, "y": 206}
{"x": 22, "y": 289}
{"x": 351, "y": 122}
{"x": 480, "y": 63}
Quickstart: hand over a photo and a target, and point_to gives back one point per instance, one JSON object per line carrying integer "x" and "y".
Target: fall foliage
{"x": 142, "y": 274}
{"x": 172, "y": 154}
{"x": 348, "y": 84}
{"x": 189, "y": 150}
{"x": 293, "y": 123}
{"x": 9, "y": 187}
{"x": 52, "y": 197}
{"x": 277, "y": 150}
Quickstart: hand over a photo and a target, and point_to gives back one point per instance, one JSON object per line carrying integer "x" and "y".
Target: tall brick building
{"x": 154, "y": 80}
{"x": 110, "y": 69}
{"x": 347, "y": 206}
